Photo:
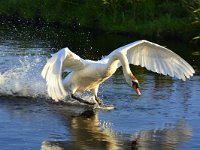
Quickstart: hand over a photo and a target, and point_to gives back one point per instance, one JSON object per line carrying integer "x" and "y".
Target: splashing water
{"x": 25, "y": 79}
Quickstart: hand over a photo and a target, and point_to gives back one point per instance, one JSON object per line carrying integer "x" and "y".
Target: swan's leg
{"x": 81, "y": 100}
{"x": 98, "y": 100}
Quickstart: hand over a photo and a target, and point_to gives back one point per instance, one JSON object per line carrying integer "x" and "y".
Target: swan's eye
{"x": 135, "y": 83}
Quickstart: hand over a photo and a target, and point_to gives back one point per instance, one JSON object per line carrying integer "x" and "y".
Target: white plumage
{"x": 87, "y": 75}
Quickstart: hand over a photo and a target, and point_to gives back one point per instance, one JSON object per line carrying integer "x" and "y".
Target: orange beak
{"x": 137, "y": 90}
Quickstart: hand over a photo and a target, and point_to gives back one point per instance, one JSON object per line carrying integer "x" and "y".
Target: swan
{"x": 87, "y": 75}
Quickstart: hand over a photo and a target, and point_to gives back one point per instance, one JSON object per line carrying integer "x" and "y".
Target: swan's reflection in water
{"x": 88, "y": 133}
{"x": 167, "y": 138}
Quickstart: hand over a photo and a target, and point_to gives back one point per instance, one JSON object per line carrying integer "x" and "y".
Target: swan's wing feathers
{"x": 157, "y": 59}
{"x": 61, "y": 61}
{"x": 73, "y": 62}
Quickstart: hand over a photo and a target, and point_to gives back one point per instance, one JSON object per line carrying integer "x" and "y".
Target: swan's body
{"x": 87, "y": 75}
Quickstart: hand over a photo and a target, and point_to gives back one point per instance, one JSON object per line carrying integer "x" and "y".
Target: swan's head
{"x": 133, "y": 82}
{"x": 136, "y": 86}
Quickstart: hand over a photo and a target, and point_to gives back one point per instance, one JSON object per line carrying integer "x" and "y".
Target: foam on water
{"x": 24, "y": 79}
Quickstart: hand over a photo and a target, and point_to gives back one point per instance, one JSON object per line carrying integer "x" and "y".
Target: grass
{"x": 145, "y": 17}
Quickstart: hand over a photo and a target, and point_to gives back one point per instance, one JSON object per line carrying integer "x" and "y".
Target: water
{"x": 166, "y": 116}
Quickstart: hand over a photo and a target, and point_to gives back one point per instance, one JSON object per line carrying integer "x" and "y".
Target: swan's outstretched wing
{"x": 156, "y": 58}
{"x": 63, "y": 60}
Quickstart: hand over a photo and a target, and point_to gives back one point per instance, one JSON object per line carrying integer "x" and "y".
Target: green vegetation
{"x": 195, "y": 12}
{"x": 153, "y": 18}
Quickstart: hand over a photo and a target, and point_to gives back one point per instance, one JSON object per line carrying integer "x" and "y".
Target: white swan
{"x": 87, "y": 75}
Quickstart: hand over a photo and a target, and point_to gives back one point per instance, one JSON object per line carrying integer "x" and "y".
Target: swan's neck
{"x": 113, "y": 63}
{"x": 125, "y": 64}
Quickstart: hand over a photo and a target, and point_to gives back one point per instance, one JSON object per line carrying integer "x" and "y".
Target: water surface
{"x": 166, "y": 116}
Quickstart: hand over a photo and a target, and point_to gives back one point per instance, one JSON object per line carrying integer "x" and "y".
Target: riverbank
{"x": 150, "y": 19}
